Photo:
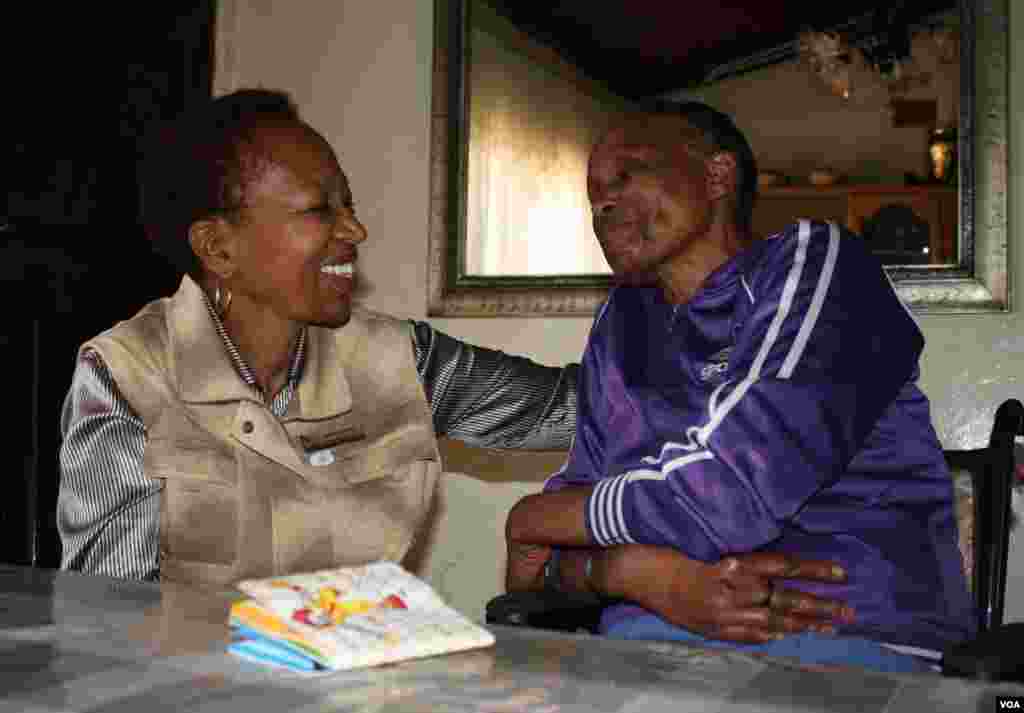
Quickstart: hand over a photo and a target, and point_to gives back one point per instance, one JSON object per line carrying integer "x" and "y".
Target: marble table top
{"x": 71, "y": 642}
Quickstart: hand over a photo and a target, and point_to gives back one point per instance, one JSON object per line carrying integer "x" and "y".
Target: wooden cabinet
{"x": 903, "y": 223}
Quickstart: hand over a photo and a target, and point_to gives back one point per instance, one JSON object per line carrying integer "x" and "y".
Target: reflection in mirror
{"x": 532, "y": 120}
{"x": 857, "y": 133}
{"x": 883, "y": 144}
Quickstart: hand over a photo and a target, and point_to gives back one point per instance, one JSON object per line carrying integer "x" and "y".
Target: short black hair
{"x": 719, "y": 130}
{"x": 192, "y": 168}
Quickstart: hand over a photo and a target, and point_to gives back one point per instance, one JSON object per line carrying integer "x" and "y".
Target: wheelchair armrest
{"x": 993, "y": 656}
{"x": 546, "y": 609}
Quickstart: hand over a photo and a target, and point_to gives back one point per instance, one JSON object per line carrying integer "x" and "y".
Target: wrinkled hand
{"x": 734, "y": 599}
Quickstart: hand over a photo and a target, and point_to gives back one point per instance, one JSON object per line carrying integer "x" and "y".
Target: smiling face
{"x": 648, "y": 185}
{"x": 294, "y": 240}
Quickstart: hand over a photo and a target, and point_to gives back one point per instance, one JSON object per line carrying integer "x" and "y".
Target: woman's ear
{"x": 721, "y": 175}
{"x": 213, "y": 242}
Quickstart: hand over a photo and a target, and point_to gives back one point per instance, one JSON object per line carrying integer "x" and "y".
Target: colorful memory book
{"x": 347, "y": 618}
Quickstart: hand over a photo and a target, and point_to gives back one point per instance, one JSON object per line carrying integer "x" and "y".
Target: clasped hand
{"x": 735, "y": 599}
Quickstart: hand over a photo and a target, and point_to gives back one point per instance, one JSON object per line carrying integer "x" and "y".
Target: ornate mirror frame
{"x": 977, "y": 284}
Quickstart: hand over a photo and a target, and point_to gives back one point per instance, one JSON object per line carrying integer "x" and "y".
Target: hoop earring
{"x": 221, "y": 301}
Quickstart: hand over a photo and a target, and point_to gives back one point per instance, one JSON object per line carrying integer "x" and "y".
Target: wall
{"x": 361, "y": 73}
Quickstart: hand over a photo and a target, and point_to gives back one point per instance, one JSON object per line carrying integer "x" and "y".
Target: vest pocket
{"x": 200, "y": 521}
{"x": 199, "y": 512}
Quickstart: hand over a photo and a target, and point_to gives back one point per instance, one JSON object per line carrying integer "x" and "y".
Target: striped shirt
{"x": 108, "y": 512}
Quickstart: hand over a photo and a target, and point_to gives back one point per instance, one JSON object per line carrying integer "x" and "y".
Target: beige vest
{"x": 346, "y": 477}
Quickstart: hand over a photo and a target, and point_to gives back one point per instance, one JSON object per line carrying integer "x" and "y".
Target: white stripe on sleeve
{"x": 820, "y": 290}
{"x": 607, "y": 523}
{"x": 785, "y": 304}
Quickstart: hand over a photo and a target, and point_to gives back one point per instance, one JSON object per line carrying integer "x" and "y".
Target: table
{"x": 71, "y": 642}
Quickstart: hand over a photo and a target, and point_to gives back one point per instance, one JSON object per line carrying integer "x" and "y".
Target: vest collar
{"x": 205, "y": 373}
{"x": 323, "y": 389}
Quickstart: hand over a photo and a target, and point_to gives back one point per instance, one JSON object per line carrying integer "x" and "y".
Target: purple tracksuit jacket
{"x": 777, "y": 411}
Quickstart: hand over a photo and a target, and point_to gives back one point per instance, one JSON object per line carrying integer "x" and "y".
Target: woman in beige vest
{"x": 255, "y": 422}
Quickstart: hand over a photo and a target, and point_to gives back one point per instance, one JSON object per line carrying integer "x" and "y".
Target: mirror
{"x": 498, "y": 110}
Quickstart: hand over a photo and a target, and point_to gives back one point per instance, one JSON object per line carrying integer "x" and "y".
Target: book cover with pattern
{"x": 347, "y": 618}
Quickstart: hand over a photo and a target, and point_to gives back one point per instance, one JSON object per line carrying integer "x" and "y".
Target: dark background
{"x": 82, "y": 86}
